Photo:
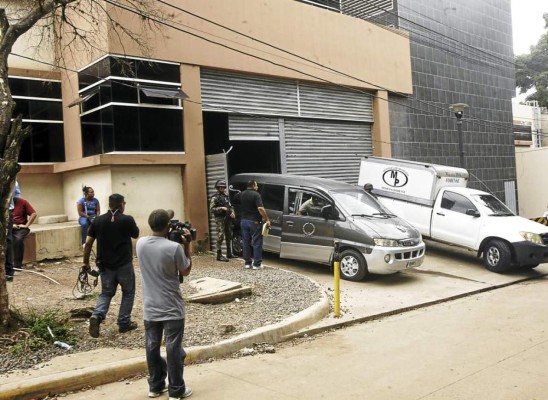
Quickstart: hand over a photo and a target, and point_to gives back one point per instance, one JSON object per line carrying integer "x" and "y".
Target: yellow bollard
{"x": 337, "y": 277}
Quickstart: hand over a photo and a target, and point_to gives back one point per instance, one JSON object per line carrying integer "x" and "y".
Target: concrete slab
{"x": 207, "y": 286}
{"x": 52, "y": 219}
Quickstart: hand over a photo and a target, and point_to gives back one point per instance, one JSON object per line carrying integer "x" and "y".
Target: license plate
{"x": 412, "y": 264}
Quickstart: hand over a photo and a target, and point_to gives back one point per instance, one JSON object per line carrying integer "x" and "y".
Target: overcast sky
{"x": 527, "y": 23}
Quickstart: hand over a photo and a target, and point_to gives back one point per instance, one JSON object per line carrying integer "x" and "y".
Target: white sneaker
{"x": 157, "y": 394}
{"x": 257, "y": 267}
{"x": 187, "y": 393}
{"x": 247, "y": 266}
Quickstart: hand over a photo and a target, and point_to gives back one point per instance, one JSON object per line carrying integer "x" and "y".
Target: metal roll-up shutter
{"x": 366, "y": 9}
{"x": 326, "y": 149}
{"x": 253, "y": 128}
{"x": 226, "y": 92}
{"x": 328, "y": 102}
{"x": 216, "y": 168}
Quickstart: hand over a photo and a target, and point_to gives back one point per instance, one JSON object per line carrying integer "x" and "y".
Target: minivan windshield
{"x": 494, "y": 205}
{"x": 358, "y": 203}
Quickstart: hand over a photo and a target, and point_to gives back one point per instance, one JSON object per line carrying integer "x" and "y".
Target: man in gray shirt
{"x": 163, "y": 263}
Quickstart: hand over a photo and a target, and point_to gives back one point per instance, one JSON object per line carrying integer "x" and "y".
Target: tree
{"x": 532, "y": 70}
{"x": 69, "y": 27}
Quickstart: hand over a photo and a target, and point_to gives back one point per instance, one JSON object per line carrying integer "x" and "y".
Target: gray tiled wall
{"x": 470, "y": 62}
{"x": 461, "y": 52}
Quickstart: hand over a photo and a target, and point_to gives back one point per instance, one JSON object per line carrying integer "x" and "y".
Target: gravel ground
{"x": 276, "y": 295}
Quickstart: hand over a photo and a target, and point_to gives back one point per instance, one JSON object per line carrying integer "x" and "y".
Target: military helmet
{"x": 220, "y": 184}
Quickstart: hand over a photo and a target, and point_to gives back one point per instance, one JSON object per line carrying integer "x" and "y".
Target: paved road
{"x": 447, "y": 273}
{"x": 492, "y": 345}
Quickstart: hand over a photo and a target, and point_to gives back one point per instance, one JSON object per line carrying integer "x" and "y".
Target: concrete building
{"x": 270, "y": 86}
{"x": 530, "y": 124}
{"x": 531, "y": 140}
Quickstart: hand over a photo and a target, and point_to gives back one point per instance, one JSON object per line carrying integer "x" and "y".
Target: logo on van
{"x": 395, "y": 177}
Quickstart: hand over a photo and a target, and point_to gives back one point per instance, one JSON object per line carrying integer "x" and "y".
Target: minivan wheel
{"x": 352, "y": 266}
{"x": 497, "y": 256}
{"x": 237, "y": 244}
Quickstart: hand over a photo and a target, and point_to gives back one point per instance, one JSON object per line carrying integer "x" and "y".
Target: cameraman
{"x": 163, "y": 264}
{"x": 224, "y": 215}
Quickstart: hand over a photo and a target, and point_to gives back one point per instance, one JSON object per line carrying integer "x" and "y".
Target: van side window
{"x": 291, "y": 199}
{"x": 273, "y": 197}
{"x": 311, "y": 205}
{"x": 456, "y": 202}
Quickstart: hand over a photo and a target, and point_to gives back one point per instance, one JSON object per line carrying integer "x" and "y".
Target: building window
{"x": 129, "y": 104}
{"x": 334, "y": 5}
{"x": 39, "y": 102}
{"x": 523, "y": 133}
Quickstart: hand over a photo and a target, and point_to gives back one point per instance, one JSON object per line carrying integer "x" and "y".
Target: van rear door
{"x": 306, "y": 236}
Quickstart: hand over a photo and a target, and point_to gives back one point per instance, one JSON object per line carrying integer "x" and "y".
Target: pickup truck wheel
{"x": 237, "y": 249}
{"x": 497, "y": 256}
{"x": 352, "y": 266}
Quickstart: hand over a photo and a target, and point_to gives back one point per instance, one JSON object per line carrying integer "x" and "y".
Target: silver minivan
{"x": 371, "y": 238}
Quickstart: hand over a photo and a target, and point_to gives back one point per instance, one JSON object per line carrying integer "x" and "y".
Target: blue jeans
{"x": 84, "y": 225}
{"x": 158, "y": 368}
{"x": 110, "y": 279}
{"x": 252, "y": 238}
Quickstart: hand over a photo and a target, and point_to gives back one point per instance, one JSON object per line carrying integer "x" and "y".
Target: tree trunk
{"x": 12, "y": 135}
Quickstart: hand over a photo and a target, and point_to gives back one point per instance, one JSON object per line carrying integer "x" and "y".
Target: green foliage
{"x": 532, "y": 70}
{"x": 34, "y": 324}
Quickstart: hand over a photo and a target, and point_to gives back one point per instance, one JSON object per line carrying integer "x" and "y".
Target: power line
{"x": 417, "y": 145}
{"x": 229, "y": 110}
{"x": 444, "y": 110}
{"x": 486, "y": 123}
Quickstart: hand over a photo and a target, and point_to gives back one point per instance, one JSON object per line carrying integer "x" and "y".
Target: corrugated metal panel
{"x": 216, "y": 168}
{"x": 328, "y": 102}
{"x": 326, "y": 149}
{"x": 365, "y": 9}
{"x": 253, "y": 128}
{"x": 329, "y": 4}
{"x": 510, "y": 195}
{"x": 226, "y": 92}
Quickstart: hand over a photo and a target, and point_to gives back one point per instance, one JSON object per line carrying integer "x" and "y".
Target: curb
{"x": 111, "y": 372}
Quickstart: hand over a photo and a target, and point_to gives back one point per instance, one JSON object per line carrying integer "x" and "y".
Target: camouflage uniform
{"x": 223, "y": 222}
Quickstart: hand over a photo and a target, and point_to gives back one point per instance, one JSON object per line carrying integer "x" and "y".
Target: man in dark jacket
{"x": 113, "y": 231}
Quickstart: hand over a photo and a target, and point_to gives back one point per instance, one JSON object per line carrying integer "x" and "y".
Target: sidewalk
{"x": 439, "y": 279}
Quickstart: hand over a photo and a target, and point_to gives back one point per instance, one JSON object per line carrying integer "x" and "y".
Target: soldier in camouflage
{"x": 224, "y": 214}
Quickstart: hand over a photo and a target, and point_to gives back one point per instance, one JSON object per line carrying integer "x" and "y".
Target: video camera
{"x": 176, "y": 231}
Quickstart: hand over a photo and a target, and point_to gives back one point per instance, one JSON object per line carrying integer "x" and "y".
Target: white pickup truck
{"x": 435, "y": 199}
